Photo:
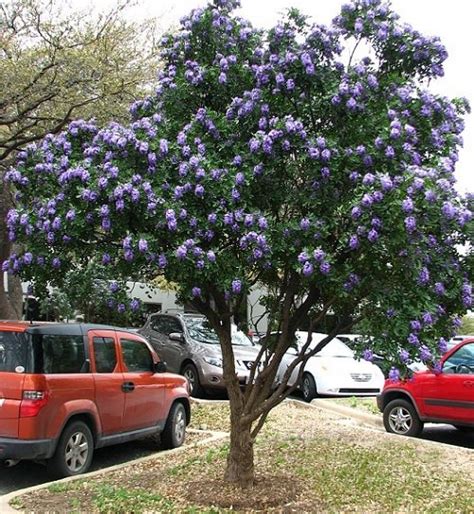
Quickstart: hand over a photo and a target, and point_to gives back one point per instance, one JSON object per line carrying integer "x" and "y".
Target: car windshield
{"x": 200, "y": 330}
{"x": 15, "y": 352}
{"x": 335, "y": 347}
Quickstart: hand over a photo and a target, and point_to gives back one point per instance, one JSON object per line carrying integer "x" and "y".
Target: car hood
{"x": 342, "y": 364}
{"x": 243, "y": 353}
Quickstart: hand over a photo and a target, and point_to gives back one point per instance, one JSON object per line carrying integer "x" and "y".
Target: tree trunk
{"x": 240, "y": 467}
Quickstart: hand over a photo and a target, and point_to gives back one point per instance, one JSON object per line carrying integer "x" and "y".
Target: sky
{"x": 450, "y": 20}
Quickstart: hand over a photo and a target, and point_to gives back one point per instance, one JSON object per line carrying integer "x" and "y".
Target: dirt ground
{"x": 191, "y": 480}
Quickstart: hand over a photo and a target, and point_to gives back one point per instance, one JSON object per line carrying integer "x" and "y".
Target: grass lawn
{"x": 364, "y": 404}
{"x": 306, "y": 461}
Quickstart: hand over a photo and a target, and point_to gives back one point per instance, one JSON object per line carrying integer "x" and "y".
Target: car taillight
{"x": 32, "y": 403}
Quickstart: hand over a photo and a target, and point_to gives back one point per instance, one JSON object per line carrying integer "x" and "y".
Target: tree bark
{"x": 240, "y": 466}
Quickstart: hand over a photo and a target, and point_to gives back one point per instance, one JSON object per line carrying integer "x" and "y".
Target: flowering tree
{"x": 275, "y": 158}
{"x": 58, "y": 64}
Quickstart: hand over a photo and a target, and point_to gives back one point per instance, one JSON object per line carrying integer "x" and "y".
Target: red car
{"x": 67, "y": 389}
{"x": 446, "y": 397}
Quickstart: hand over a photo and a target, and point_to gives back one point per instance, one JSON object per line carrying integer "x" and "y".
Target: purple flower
{"x": 448, "y": 210}
{"x": 56, "y": 263}
{"x": 439, "y": 288}
{"x": 423, "y": 276}
{"x": 240, "y": 179}
{"x": 356, "y": 212}
{"x": 303, "y": 257}
{"x": 199, "y": 190}
{"x": 353, "y": 242}
{"x": 325, "y": 268}
{"x": 408, "y": 205}
{"x": 143, "y": 245}
{"x": 413, "y": 339}
{"x": 162, "y": 262}
{"x": 442, "y": 345}
{"x": 425, "y": 354}
{"x": 135, "y": 304}
{"x": 404, "y": 356}
{"x": 196, "y": 292}
{"x": 373, "y": 235}
{"x": 163, "y": 146}
{"x": 211, "y": 256}
{"x": 394, "y": 374}
{"x": 236, "y": 286}
{"x": 106, "y": 259}
{"x": 368, "y": 355}
{"x": 305, "y": 224}
{"x": 308, "y": 269}
{"x": 427, "y": 318}
{"x": 410, "y": 224}
{"x": 415, "y": 325}
{"x": 181, "y": 252}
{"x": 319, "y": 255}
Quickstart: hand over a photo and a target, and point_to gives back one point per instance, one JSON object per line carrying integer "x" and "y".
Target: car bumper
{"x": 22, "y": 449}
{"x": 212, "y": 376}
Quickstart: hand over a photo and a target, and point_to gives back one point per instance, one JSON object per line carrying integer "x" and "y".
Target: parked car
{"x": 66, "y": 389}
{"x": 333, "y": 371}
{"x": 191, "y": 348}
{"x": 455, "y": 340}
{"x": 381, "y": 358}
{"x": 429, "y": 396}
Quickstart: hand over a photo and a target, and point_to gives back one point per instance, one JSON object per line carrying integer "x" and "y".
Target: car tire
{"x": 73, "y": 455}
{"x": 400, "y": 417}
{"x": 308, "y": 387}
{"x": 192, "y": 375}
{"x": 464, "y": 428}
{"x": 174, "y": 433}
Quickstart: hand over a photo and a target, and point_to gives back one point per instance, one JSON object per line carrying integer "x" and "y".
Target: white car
{"x": 455, "y": 340}
{"x": 333, "y": 371}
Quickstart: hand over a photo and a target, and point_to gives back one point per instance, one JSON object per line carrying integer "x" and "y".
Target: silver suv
{"x": 189, "y": 346}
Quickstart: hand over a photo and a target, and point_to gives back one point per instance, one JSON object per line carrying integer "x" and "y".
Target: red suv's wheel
{"x": 400, "y": 417}
{"x": 73, "y": 454}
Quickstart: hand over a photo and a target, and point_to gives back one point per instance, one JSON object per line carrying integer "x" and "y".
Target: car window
{"x": 461, "y": 361}
{"x": 60, "y": 353}
{"x": 200, "y": 330}
{"x": 166, "y": 325}
{"x": 136, "y": 355}
{"x": 104, "y": 354}
{"x": 239, "y": 338}
{"x": 14, "y": 351}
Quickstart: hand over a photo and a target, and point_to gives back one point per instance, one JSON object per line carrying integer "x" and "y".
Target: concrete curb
{"x": 5, "y": 500}
{"x": 364, "y": 418}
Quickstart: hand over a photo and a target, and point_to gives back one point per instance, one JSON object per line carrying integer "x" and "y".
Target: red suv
{"x": 446, "y": 397}
{"x": 66, "y": 389}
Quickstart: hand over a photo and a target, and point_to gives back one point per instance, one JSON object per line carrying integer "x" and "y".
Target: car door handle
{"x": 127, "y": 387}
{"x": 468, "y": 383}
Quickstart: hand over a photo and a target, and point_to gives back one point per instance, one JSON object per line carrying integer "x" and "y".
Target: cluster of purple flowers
{"x": 314, "y": 260}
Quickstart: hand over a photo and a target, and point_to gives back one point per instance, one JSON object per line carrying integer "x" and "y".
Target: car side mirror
{"x": 176, "y": 336}
{"x": 160, "y": 367}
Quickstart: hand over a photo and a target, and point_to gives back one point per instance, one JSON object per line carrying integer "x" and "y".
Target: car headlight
{"x": 213, "y": 361}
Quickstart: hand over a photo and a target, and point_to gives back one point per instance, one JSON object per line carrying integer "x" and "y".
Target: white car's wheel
{"x": 308, "y": 387}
